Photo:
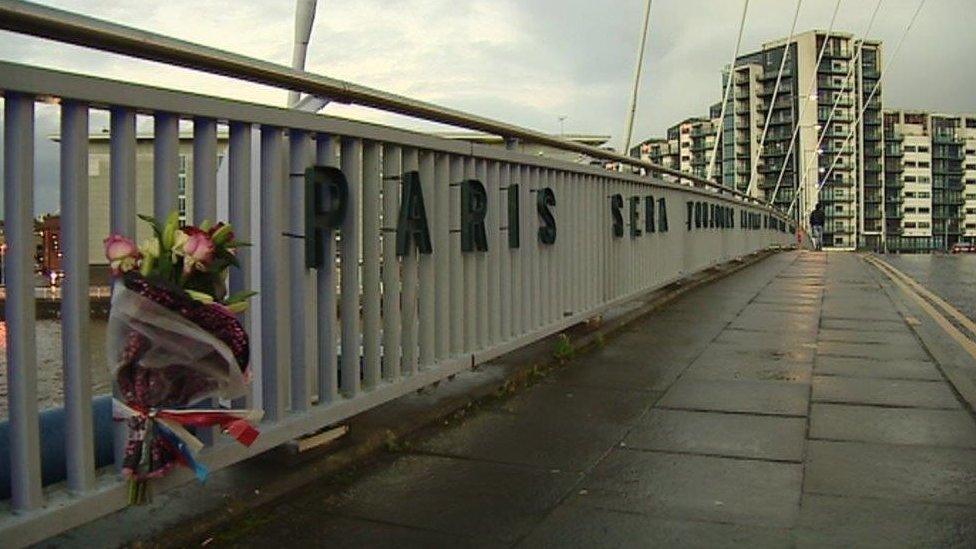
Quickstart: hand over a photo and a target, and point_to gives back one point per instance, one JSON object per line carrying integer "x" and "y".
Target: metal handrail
{"x": 64, "y": 26}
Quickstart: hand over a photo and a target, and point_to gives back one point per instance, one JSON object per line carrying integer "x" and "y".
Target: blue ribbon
{"x": 199, "y": 469}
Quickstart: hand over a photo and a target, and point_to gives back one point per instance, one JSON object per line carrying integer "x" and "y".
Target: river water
{"x": 951, "y": 277}
{"x": 49, "y": 386}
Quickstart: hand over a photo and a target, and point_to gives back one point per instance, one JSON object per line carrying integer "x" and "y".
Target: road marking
{"x": 953, "y": 312}
{"x": 909, "y": 286}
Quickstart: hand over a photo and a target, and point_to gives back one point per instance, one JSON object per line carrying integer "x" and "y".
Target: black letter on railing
{"x": 635, "y": 230}
{"x": 513, "y": 216}
{"x": 662, "y": 216}
{"x": 326, "y": 194}
{"x": 648, "y": 214}
{"x": 412, "y": 223}
{"x": 617, "y": 202}
{"x": 544, "y": 199}
{"x": 474, "y": 208}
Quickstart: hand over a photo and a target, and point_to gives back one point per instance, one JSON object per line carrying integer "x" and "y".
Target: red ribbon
{"x": 236, "y": 427}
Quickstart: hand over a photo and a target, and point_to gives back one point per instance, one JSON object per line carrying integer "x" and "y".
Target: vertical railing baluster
{"x": 426, "y": 317}
{"x": 274, "y": 350}
{"x": 75, "y": 309}
{"x": 166, "y": 146}
{"x": 504, "y": 253}
{"x": 457, "y": 269}
{"x": 371, "y": 264}
{"x": 204, "y": 190}
{"x": 352, "y": 167}
{"x": 481, "y": 273}
{"x": 442, "y": 253}
{"x": 122, "y": 213}
{"x": 558, "y": 271}
{"x": 391, "y": 263}
{"x": 239, "y": 216}
{"x": 493, "y": 227}
{"x": 524, "y": 255}
{"x": 535, "y": 250}
{"x": 204, "y": 170}
{"x": 327, "y": 154}
{"x": 301, "y": 281}
{"x": 18, "y": 207}
{"x": 545, "y": 254}
{"x": 469, "y": 266}
{"x": 408, "y": 297}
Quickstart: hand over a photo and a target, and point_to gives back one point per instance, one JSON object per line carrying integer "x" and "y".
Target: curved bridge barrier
{"x": 386, "y": 260}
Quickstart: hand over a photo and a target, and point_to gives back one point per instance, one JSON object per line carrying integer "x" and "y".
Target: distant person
{"x": 817, "y": 218}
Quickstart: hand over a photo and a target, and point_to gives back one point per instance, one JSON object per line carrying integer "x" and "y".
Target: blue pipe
{"x": 52, "y": 443}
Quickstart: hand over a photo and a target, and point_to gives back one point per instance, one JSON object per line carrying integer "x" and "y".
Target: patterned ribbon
{"x": 170, "y": 425}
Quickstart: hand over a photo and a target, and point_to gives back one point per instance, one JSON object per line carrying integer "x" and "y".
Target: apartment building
{"x": 688, "y": 146}
{"x": 929, "y": 180}
{"x": 837, "y": 156}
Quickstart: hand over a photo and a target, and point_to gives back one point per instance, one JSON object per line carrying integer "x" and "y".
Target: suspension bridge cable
{"x": 754, "y": 172}
{"x": 874, "y": 90}
{"x": 629, "y": 128}
{"x": 728, "y": 88}
{"x": 849, "y": 79}
{"x": 803, "y": 106}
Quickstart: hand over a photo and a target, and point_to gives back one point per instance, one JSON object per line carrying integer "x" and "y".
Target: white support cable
{"x": 754, "y": 172}
{"x": 629, "y": 128}
{"x": 848, "y": 78}
{"x": 803, "y": 105}
{"x": 874, "y": 90}
{"x": 728, "y": 88}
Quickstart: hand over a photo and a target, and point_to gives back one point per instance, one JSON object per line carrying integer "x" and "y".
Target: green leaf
{"x": 237, "y": 297}
{"x": 153, "y": 223}
{"x": 237, "y": 244}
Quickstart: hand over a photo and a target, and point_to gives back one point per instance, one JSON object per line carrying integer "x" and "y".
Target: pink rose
{"x": 122, "y": 254}
{"x": 198, "y": 251}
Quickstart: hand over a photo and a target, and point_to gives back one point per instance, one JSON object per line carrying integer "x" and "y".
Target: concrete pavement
{"x": 790, "y": 404}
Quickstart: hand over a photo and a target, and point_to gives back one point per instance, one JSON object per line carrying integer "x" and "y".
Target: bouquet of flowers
{"x": 174, "y": 340}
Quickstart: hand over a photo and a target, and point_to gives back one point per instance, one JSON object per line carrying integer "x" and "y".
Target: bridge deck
{"x": 789, "y": 404}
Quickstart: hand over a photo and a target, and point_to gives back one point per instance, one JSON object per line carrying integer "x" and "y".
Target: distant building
{"x": 688, "y": 147}
{"x": 47, "y": 234}
{"x": 929, "y": 180}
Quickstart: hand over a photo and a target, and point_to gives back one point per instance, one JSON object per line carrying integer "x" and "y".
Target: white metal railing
{"x": 369, "y": 326}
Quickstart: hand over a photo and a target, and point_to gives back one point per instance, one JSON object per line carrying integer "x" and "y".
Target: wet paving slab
{"x": 752, "y": 419}
{"x": 862, "y": 367}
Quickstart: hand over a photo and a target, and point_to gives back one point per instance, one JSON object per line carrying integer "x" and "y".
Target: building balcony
{"x": 872, "y": 167}
{"x": 943, "y": 138}
{"x": 893, "y": 150}
{"x": 827, "y": 100}
{"x": 837, "y": 53}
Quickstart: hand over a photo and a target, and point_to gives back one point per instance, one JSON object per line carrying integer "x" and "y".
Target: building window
{"x": 924, "y": 194}
{"x": 909, "y": 210}
{"x": 909, "y": 224}
{"x": 924, "y": 210}
{"x": 924, "y": 164}
{"x": 923, "y": 149}
{"x": 924, "y": 225}
{"x": 910, "y": 148}
{"x": 909, "y": 179}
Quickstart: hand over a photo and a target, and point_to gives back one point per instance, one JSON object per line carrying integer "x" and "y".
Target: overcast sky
{"x": 526, "y": 62}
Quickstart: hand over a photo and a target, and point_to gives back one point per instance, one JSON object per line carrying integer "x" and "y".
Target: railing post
{"x": 392, "y": 175}
{"x": 371, "y": 264}
{"x": 18, "y": 207}
{"x": 352, "y": 166}
{"x": 75, "y": 309}
{"x": 327, "y": 154}
{"x": 274, "y": 318}
{"x": 300, "y": 280}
